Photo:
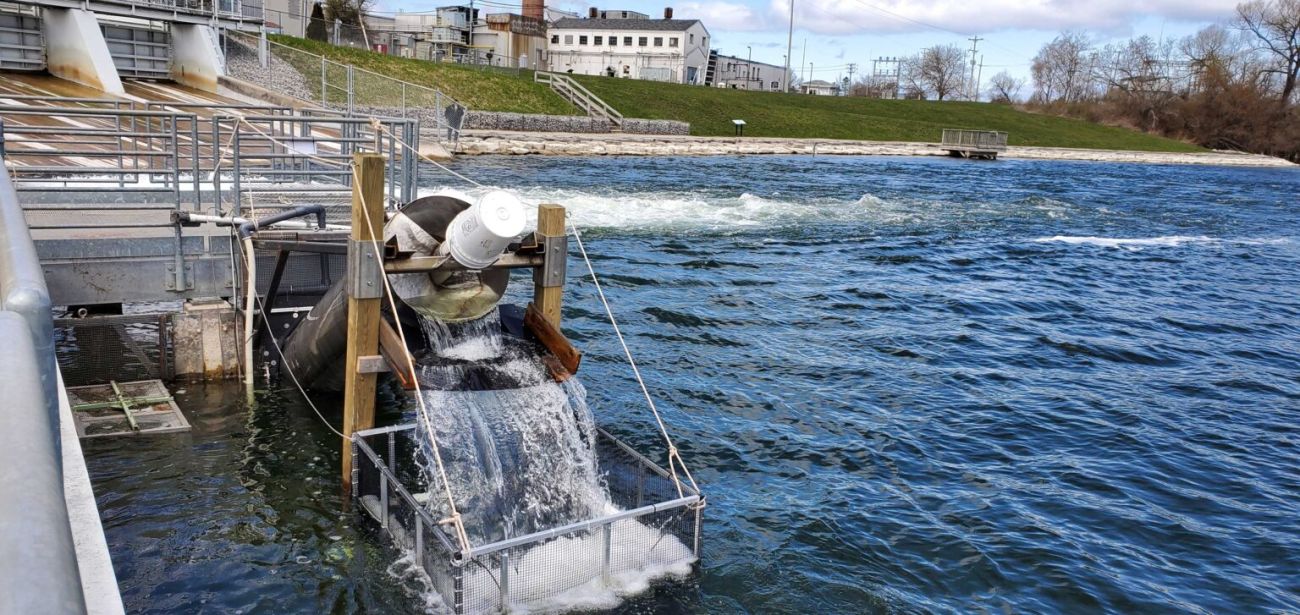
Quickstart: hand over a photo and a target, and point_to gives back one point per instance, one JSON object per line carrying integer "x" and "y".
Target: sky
{"x": 829, "y": 35}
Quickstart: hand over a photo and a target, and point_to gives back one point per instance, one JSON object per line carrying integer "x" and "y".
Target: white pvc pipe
{"x": 250, "y": 265}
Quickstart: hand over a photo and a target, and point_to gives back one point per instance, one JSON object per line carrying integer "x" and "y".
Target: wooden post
{"x": 548, "y": 293}
{"x": 365, "y": 298}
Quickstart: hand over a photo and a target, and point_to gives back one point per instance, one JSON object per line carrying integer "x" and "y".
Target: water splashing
{"x": 518, "y": 447}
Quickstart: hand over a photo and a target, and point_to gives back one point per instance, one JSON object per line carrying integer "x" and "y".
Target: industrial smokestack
{"x": 591, "y": 13}
{"x": 668, "y": 12}
{"x": 535, "y": 9}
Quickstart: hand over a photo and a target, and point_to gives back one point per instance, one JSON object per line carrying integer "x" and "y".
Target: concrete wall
{"x": 197, "y": 60}
{"x": 75, "y": 50}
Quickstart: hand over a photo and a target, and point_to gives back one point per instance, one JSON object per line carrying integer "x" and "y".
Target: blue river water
{"x": 905, "y": 385}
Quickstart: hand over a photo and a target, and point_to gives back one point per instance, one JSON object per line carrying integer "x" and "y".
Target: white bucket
{"x": 478, "y": 235}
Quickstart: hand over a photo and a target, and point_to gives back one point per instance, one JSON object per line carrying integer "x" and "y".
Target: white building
{"x": 745, "y": 74}
{"x": 630, "y": 45}
{"x": 820, "y": 88}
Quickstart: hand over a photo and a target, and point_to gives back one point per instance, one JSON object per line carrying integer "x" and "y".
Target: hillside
{"x": 767, "y": 114}
{"x": 484, "y": 89}
{"x": 710, "y": 110}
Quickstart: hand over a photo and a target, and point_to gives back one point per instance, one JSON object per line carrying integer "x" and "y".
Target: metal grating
{"x": 656, "y": 534}
{"x": 22, "y": 46}
{"x": 101, "y": 349}
{"x": 138, "y": 52}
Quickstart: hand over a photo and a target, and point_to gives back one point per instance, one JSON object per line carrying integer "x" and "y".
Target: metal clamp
{"x": 365, "y": 269}
{"x": 554, "y": 262}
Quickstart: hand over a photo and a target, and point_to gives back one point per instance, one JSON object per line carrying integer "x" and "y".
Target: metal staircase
{"x": 581, "y": 97}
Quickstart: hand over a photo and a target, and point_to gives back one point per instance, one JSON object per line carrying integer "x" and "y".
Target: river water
{"x": 914, "y": 385}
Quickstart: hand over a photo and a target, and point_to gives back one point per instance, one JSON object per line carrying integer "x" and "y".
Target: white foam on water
{"x": 566, "y": 572}
{"x": 1162, "y": 241}
{"x": 684, "y": 210}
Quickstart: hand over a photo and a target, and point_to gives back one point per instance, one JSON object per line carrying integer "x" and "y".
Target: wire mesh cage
{"x": 652, "y": 532}
{"x": 99, "y": 349}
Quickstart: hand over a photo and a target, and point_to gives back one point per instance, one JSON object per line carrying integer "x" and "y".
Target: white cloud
{"x": 981, "y": 16}
{"x": 727, "y": 16}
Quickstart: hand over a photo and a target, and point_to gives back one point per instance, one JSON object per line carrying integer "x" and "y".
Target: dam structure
{"x": 164, "y": 223}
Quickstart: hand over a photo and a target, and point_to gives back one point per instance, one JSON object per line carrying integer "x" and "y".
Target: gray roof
{"x": 666, "y": 25}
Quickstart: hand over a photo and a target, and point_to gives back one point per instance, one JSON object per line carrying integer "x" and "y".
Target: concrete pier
{"x": 75, "y": 49}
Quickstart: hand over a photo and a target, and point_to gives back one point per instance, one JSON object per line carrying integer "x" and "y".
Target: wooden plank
{"x": 390, "y": 345}
{"x": 550, "y": 223}
{"x": 553, "y": 339}
{"x": 363, "y": 314}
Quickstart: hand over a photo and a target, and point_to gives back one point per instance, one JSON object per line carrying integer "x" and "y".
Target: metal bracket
{"x": 186, "y": 278}
{"x": 364, "y": 271}
{"x": 372, "y": 364}
{"x": 554, "y": 262}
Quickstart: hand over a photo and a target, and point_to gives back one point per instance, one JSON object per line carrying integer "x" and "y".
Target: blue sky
{"x": 839, "y": 32}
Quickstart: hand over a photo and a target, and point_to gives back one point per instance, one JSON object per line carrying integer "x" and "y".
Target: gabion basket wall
{"x": 655, "y": 534}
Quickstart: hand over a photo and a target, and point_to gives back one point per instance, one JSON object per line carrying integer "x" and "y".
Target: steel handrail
{"x": 38, "y": 559}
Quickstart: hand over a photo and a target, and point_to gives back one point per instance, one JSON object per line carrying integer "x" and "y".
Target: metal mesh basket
{"x": 652, "y": 533}
{"x": 98, "y": 349}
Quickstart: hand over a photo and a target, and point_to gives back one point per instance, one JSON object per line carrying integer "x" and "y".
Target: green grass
{"x": 477, "y": 88}
{"x": 710, "y": 110}
{"x": 767, "y": 114}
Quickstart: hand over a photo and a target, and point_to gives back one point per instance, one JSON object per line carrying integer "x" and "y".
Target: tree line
{"x": 1228, "y": 86}
{"x": 1233, "y": 85}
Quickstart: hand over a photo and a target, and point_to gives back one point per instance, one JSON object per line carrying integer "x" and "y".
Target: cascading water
{"x": 519, "y": 448}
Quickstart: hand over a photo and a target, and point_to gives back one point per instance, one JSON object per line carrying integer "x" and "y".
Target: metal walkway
{"x": 100, "y": 181}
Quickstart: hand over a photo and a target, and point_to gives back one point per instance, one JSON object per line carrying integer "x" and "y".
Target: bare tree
{"x": 1062, "y": 68}
{"x": 1004, "y": 88}
{"x": 1275, "y": 25}
{"x": 940, "y": 70}
{"x": 349, "y": 12}
{"x": 1140, "y": 78}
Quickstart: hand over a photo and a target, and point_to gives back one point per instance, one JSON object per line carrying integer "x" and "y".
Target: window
{"x": 627, "y": 41}
{"x": 568, "y": 39}
{"x": 641, "y": 40}
{"x": 613, "y": 41}
{"x": 692, "y": 38}
{"x": 582, "y": 40}
{"x": 659, "y": 41}
{"x": 600, "y": 40}
{"x": 555, "y": 39}
{"x": 672, "y": 42}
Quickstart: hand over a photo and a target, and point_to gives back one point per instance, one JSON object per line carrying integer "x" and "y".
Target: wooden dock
{"x": 975, "y": 144}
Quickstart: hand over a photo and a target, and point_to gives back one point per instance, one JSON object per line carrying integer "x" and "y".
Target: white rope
{"x": 455, "y": 519}
{"x": 674, "y": 456}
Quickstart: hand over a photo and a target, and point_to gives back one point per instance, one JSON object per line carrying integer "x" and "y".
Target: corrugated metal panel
{"x": 22, "y": 46}
{"x": 139, "y": 52}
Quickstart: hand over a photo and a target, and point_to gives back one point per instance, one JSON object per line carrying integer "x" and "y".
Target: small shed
{"x": 977, "y": 144}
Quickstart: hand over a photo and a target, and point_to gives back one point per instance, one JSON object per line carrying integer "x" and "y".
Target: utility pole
{"x": 803, "y": 59}
{"x": 853, "y": 67}
{"x": 879, "y": 75}
{"x": 749, "y": 66}
{"x": 789, "y": 47}
{"x": 978, "y": 77}
{"x": 972, "y": 94}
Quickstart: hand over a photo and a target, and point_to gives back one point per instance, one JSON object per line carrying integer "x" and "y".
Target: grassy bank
{"x": 710, "y": 111}
{"x": 478, "y": 88}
